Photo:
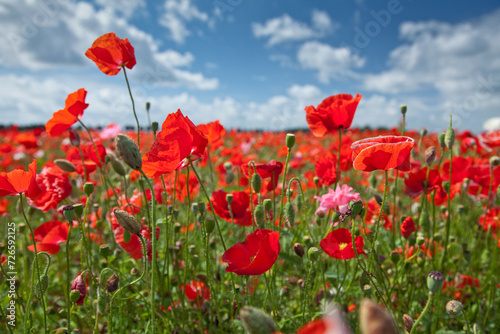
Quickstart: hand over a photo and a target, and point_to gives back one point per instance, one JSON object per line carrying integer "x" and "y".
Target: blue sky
{"x": 255, "y": 63}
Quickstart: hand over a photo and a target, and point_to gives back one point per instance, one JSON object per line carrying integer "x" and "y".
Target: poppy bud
{"x": 78, "y": 286}
{"x": 373, "y": 180}
{"x": 395, "y": 257}
{"x": 74, "y": 296}
{"x": 446, "y": 186}
{"x": 435, "y": 282}
{"x": 128, "y": 152}
{"x": 42, "y": 285}
{"x": 127, "y": 221}
{"x": 424, "y": 221}
{"x": 65, "y": 165}
{"x": 494, "y": 161}
{"x": 69, "y": 212}
{"x": 356, "y": 207}
{"x": 209, "y": 225}
{"x": 408, "y": 322}
{"x": 134, "y": 271}
{"x": 229, "y": 178}
{"x": 289, "y": 193}
{"x": 430, "y": 155}
{"x": 289, "y": 213}
{"x": 259, "y": 214}
{"x": 403, "y": 109}
{"x": 154, "y": 126}
{"x": 148, "y": 105}
{"x": 298, "y": 202}
{"x": 88, "y": 188}
{"x": 78, "y": 209}
{"x": 290, "y": 140}
{"x": 256, "y": 321}
{"x": 74, "y": 138}
{"x": 316, "y": 180}
{"x": 454, "y": 307}
{"x": 298, "y": 249}
{"x": 229, "y": 198}
{"x": 321, "y": 214}
{"x": 104, "y": 251}
{"x": 202, "y": 208}
{"x": 313, "y": 254}
{"x": 268, "y": 204}
{"x": 112, "y": 283}
{"x": 116, "y": 165}
{"x": 256, "y": 182}
{"x": 228, "y": 165}
{"x": 449, "y": 137}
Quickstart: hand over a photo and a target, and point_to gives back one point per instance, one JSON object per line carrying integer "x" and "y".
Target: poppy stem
{"x": 382, "y": 208}
{"x": 337, "y": 179}
{"x": 426, "y": 309}
{"x": 68, "y": 283}
{"x": 283, "y": 190}
{"x": 133, "y": 109}
{"x": 37, "y": 265}
{"x": 448, "y": 218}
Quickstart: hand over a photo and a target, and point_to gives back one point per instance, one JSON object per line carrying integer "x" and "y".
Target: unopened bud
{"x": 290, "y": 140}
{"x": 355, "y": 207}
{"x": 395, "y": 257}
{"x": 209, "y": 225}
{"x": 65, "y": 165}
{"x": 229, "y": 178}
{"x": 408, "y": 322}
{"x": 268, "y": 204}
{"x": 374, "y": 319}
{"x": 127, "y": 221}
{"x": 289, "y": 212}
{"x": 430, "y": 155}
{"x": 449, "y": 137}
{"x": 373, "y": 180}
{"x": 112, "y": 283}
{"x": 424, "y": 221}
{"x": 298, "y": 249}
{"x": 116, "y": 165}
{"x": 74, "y": 138}
{"x": 256, "y": 182}
{"x": 446, "y": 186}
{"x": 403, "y": 109}
{"x": 128, "y": 152}
{"x": 148, "y": 106}
{"x": 228, "y": 165}
{"x": 256, "y": 321}
{"x": 259, "y": 214}
{"x": 74, "y": 295}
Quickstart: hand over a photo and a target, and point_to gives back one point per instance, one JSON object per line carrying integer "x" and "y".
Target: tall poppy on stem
{"x": 111, "y": 53}
{"x": 18, "y": 182}
{"x": 63, "y": 119}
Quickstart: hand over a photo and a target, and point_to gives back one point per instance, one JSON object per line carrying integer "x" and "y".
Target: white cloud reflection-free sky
{"x": 256, "y": 63}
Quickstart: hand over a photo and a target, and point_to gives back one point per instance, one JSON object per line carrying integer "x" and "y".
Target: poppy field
{"x": 176, "y": 227}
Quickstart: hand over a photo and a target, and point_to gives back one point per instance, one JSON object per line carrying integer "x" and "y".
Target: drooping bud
{"x": 65, "y": 165}
{"x": 112, "y": 283}
{"x": 313, "y": 254}
{"x": 298, "y": 202}
{"x": 435, "y": 282}
{"x": 42, "y": 285}
{"x": 74, "y": 138}
{"x": 290, "y": 140}
{"x": 430, "y": 155}
{"x": 101, "y": 302}
{"x": 408, "y": 322}
{"x": 289, "y": 213}
{"x": 454, "y": 307}
{"x": 116, "y": 165}
{"x": 78, "y": 286}
{"x": 229, "y": 178}
{"x": 69, "y": 212}
{"x": 128, "y": 152}
{"x": 256, "y": 321}
{"x": 88, "y": 188}
{"x": 127, "y": 221}
{"x": 298, "y": 249}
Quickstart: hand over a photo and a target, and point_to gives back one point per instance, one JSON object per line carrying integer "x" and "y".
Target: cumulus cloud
{"x": 126, "y": 8}
{"x": 285, "y": 29}
{"x": 458, "y": 62}
{"x": 35, "y": 29}
{"x": 330, "y": 62}
{"x": 177, "y": 13}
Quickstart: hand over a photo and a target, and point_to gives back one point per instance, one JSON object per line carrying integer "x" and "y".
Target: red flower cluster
{"x": 178, "y": 143}
{"x": 334, "y": 112}
{"x": 255, "y": 255}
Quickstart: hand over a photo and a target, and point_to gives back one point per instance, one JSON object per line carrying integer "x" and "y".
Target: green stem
{"x": 382, "y": 208}
{"x": 283, "y": 190}
{"x": 337, "y": 179}
{"x": 426, "y": 309}
{"x": 133, "y": 109}
{"x": 448, "y": 218}
{"x": 68, "y": 280}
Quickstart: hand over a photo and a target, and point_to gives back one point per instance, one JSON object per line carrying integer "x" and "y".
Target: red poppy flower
{"x": 239, "y": 207}
{"x": 271, "y": 171}
{"x": 178, "y": 142}
{"x": 63, "y": 119}
{"x": 213, "y": 130}
{"x": 408, "y": 227}
{"x": 419, "y": 181}
{"x": 334, "y": 112}
{"x": 111, "y": 53}
{"x": 255, "y": 255}
{"x": 19, "y": 181}
{"x": 49, "y": 235}
{"x": 326, "y": 168}
{"x": 490, "y": 139}
{"x": 55, "y": 187}
{"x": 384, "y": 152}
{"x": 338, "y": 244}
{"x": 196, "y": 291}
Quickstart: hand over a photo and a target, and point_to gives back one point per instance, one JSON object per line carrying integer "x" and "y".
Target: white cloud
{"x": 459, "y": 63}
{"x": 125, "y": 7}
{"x": 306, "y": 92}
{"x": 492, "y": 124}
{"x": 285, "y": 28}
{"x": 327, "y": 60}
{"x": 177, "y": 13}
{"x": 40, "y": 37}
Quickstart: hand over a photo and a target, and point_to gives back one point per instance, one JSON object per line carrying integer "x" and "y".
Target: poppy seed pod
{"x": 290, "y": 140}
{"x": 403, "y": 109}
{"x": 154, "y": 126}
{"x": 88, "y": 188}
{"x": 435, "y": 282}
{"x": 128, "y": 152}
{"x": 127, "y": 221}
{"x": 69, "y": 212}
{"x": 65, "y": 165}
{"x": 494, "y": 161}
{"x": 256, "y": 321}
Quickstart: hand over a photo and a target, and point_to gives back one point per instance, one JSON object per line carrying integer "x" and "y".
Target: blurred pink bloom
{"x": 338, "y": 198}
{"x": 110, "y": 131}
